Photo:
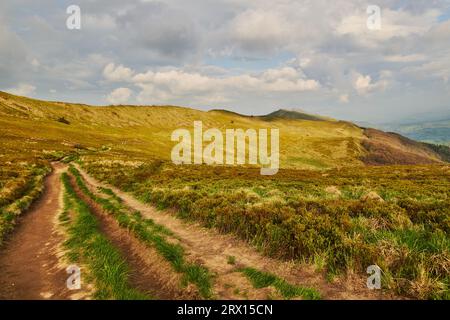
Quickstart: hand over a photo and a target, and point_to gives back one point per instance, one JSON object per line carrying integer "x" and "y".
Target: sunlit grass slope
{"x": 35, "y": 127}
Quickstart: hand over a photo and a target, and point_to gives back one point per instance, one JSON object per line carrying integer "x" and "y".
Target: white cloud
{"x": 23, "y": 89}
{"x": 364, "y": 84}
{"x": 177, "y": 81}
{"x": 35, "y": 63}
{"x": 344, "y": 98}
{"x": 119, "y": 96}
{"x": 115, "y": 73}
{"x": 167, "y": 85}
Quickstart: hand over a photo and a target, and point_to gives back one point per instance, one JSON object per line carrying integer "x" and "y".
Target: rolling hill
{"x": 34, "y": 129}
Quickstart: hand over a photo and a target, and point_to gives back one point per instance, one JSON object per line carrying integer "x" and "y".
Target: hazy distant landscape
{"x": 437, "y": 132}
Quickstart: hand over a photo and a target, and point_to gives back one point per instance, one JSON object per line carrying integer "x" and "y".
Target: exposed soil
{"x": 148, "y": 272}
{"x": 29, "y": 263}
{"x": 213, "y": 250}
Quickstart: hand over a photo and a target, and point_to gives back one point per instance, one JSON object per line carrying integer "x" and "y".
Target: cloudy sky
{"x": 250, "y": 56}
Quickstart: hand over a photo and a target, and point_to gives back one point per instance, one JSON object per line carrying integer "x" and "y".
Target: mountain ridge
{"x": 307, "y": 141}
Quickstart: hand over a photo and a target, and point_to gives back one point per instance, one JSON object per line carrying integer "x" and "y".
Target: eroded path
{"x": 29, "y": 262}
{"x": 213, "y": 250}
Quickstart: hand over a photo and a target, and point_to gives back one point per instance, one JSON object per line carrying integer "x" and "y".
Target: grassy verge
{"x": 87, "y": 245}
{"x": 153, "y": 235}
{"x": 261, "y": 279}
{"x": 20, "y": 198}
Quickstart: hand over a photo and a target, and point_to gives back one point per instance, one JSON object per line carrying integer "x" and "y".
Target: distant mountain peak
{"x": 294, "y": 114}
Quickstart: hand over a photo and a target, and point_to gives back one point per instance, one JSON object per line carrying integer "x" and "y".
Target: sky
{"x": 248, "y": 56}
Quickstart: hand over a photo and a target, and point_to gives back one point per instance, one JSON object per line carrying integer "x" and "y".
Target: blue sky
{"x": 249, "y": 56}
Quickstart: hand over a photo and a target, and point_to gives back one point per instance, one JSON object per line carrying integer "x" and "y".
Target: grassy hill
{"x": 34, "y": 128}
{"x": 292, "y": 114}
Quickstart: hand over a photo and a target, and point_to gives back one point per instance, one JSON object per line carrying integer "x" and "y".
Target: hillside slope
{"x": 290, "y": 114}
{"x": 392, "y": 148}
{"x": 31, "y": 128}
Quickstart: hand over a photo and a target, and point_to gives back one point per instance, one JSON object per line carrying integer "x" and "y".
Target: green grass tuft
{"x": 261, "y": 279}
{"x": 87, "y": 245}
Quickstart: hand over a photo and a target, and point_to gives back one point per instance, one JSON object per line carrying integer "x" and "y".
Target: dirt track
{"x": 29, "y": 264}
